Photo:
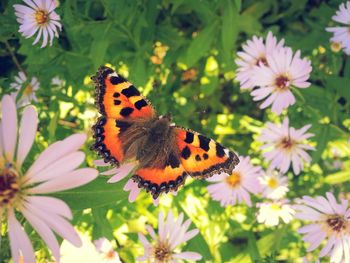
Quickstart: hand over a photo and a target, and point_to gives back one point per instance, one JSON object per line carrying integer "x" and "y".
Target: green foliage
{"x": 181, "y": 54}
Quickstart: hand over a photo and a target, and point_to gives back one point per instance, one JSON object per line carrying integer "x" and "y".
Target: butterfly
{"x": 130, "y": 130}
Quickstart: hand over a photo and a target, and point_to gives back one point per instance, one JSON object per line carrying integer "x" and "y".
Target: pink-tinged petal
{"x": 122, "y": 172}
{"x": 1, "y": 143}
{"x": 337, "y": 253}
{"x": 143, "y": 240}
{"x": 51, "y": 205}
{"x": 38, "y": 36}
{"x": 9, "y": 126}
{"x": 133, "y": 188}
{"x": 19, "y": 241}
{"x": 64, "y": 182}
{"x": 57, "y": 223}
{"x": 30, "y": 3}
{"x": 150, "y": 230}
{"x": 45, "y": 38}
{"x": 190, "y": 234}
{"x": 188, "y": 255}
{"x": 27, "y": 131}
{"x": 100, "y": 163}
{"x": 56, "y": 151}
{"x": 58, "y": 168}
{"x": 44, "y": 231}
{"x": 110, "y": 172}
{"x": 161, "y": 224}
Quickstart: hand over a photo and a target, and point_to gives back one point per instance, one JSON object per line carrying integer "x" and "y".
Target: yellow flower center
{"x": 9, "y": 185}
{"x": 234, "y": 179}
{"x": 28, "y": 90}
{"x": 110, "y": 254}
{"x": 275, "y": 207}
{"x": 41, "y": 17}
{"x": 162, "y": 252}
{"x": 336, "y": 46}
{"x": 272, "y": 183}
{"x": 282, "y": 82}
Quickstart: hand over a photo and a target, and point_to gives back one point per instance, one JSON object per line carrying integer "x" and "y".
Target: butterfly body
{"x": 130, "y": 130}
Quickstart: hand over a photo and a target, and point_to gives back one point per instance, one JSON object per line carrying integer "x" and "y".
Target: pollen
{"x": 9, "y": 186}
{"x": 41, "y": 17}
{"x": 28, "y": 90}
{"x": 234, "y": 179}
{"x": 162, "y": 252}
{"x": 336, "y": 223}
{"x": 282, "y": 82}
{"x": 272, "y": 183}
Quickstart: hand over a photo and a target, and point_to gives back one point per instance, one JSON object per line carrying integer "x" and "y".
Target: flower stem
{"x": 14, "y": 58}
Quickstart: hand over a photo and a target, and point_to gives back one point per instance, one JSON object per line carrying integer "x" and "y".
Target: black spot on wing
{"x": 122, "y": 125}
{"x": 220, "y": 151}
{"x": 173, "y": 161}
{"x": 117, "y": 102}
{"x": 116, "y": 94}
{"x": 204, "y": 142}
{"x": 125, "y": 112}
{"x": 130, "y": 92}
{"x": 198, "y": 158}
{"x": 186, "y": 153}
{"x": 205, "y": 156}
{"x": 117, "y": 80}
{"x": 140, "y": 104}
{"x": 189, "y": 137}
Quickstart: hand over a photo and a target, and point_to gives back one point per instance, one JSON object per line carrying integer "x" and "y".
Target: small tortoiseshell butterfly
{"x": 130, "y": 130}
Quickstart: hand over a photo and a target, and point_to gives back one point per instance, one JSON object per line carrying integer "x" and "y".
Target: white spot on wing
{"x": 114, "y": 74}
{"x": 227, "y": 152}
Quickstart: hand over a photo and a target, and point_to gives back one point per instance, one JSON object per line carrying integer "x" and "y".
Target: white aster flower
{"x": 271, "y": 212}
{"x": 286, "y": 146}
{"x": 105, "y": 248}
{"x": 39, "y": 16}
{"x": 55, "y": 169}
{"x": 274, "y": 184}
{"x": 25, "y": 88}
{"x": 235, "y": 188}
{"x": 330, "y": 222}
{"x": 275, "y": 81}
{"x": 253, "y": 54}
{"x": 341, "y": 34}
{"x": 171, "y": 233}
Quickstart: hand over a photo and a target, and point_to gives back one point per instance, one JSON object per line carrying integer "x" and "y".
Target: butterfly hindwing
{"x": 119, "y": 99}
{"x": 159, "y": 180}
{"x": 202, "y": 157}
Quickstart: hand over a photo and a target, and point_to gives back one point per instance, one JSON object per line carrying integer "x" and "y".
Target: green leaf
{"x": 253, "y": 247}
{"x": 337, "y": 178}
{"x": 97, "y": 193}
{"x": 322, "y": 142}
{"x": 201, "y": 44}
{"x": 229, "y": 29}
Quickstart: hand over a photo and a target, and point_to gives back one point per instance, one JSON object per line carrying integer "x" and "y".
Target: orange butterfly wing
{"x": 119, "y": 102}
{"x": 202, "y": 157}
{"x": 197, "y": 156}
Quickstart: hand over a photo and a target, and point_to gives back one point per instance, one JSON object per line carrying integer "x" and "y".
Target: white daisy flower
{"x": 105, "y": 248}
{"x": 56, "y": 169}
{"x": 171, "y": 233}
{"x": 275, "y": 81}
{"x": 274, "y": 184}
{"x": 39, "y": 16}
{"x": 25, "y": 88}
{"x": 330, "y": 222}
{"x": 271, "y": 212}
{"x": 253, "y": 54}
{"x": 236, "y": 187}
{"x": 341, "y": 34}
{"x": 285, "y": 146}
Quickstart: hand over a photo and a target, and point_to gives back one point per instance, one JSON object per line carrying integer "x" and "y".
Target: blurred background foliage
{"x": 180, "y": 53}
